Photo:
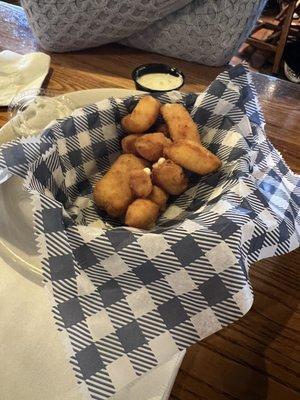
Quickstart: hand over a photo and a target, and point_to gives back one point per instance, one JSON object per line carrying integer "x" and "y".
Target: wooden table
{"x": 259, "y": 356}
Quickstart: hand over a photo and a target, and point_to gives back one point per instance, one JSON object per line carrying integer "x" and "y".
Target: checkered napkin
{"x": 126, "y": 299}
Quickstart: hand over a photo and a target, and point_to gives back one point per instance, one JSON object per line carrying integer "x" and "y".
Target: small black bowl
{"x": 155, "y": 68}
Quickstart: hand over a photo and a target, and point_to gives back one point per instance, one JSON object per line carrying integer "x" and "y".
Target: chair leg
{"x": 283, "y": 10}
{"x": 283, "y": 36}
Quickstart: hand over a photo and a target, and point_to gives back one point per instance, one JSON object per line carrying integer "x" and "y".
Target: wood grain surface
{"x": 257, "y": 358}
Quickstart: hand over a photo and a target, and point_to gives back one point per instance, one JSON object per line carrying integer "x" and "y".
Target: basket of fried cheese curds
{"x": 148, "y": 212}
{"x": 153, "y": 165}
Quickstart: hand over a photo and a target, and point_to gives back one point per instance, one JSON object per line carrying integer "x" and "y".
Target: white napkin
{"x": 21, "y": 72}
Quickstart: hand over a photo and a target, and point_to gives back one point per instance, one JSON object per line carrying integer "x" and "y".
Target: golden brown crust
{"x": 128, "y": 143}
{"x": 170, "y": 177}
{"x": 163, "y": 128}
{"x": 140, "y": 183}
{"x": 143, "y": 116}
{"x": 193, "y": 157}
{"x": 179, "y": 122}
{"x": 159, "y": 197}
{"x": 151, "y": 145}
{"x": 142, "y": 214}
{"x": 112, "y": 193}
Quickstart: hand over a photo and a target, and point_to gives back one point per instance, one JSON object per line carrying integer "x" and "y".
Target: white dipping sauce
{"x": 160, "y": 81}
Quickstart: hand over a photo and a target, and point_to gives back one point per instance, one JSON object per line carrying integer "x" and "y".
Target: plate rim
{"x": 6, "y": 128}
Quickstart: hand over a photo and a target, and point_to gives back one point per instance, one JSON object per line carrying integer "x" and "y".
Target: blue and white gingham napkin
{"x": 127, "y": 299}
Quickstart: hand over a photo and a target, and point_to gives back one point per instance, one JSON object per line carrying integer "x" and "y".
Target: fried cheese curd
{"x": 142, "y": 214}
{"x": 169, "y": 176}
{"x": 179, "y": 122}
{"x": 193, "y": 157}
{"x": 112, "y": 193}
{"x": 143, "y": 115}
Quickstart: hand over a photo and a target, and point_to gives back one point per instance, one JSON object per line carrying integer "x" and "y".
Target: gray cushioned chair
{"x": 205, "y": 31}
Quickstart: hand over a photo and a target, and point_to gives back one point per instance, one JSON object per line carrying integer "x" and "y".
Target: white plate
{"x": 18, "y": 249}
{"x": 16, "y": 229}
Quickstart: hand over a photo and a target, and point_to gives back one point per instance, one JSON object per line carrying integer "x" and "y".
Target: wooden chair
{"x": 275, "y": 42}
